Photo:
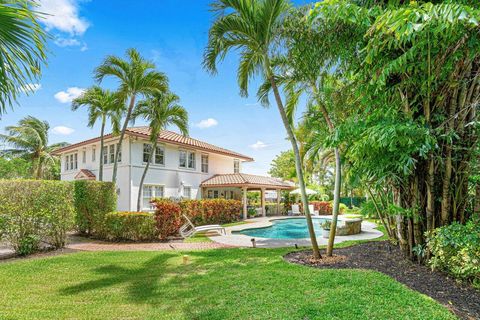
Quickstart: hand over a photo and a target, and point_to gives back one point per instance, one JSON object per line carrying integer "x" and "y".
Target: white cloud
{"x": 68, "y": 95}
{"x": 67, "y": 42}
{"x": 63, "y": 15}
{"x": 31, "y": 88}
{"x": 258, "y": 145}
{"x": 207, "y": 123}
{"x": 62, "y": 130}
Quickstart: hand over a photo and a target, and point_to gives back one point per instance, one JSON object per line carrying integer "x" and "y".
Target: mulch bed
{"x": 384, "y": 257}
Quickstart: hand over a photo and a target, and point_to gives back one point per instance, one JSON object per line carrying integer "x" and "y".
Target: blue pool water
{"x": 291, "y": 228}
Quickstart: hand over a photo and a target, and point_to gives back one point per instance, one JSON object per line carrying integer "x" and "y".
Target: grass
{"x": 215, "y": 284}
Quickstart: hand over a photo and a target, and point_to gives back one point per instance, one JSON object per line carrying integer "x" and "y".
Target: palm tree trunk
{"x": 336, "y": 202}
{"x": 140, "y": 187}
{"x": 38, "y": 174}
{"x": 122, "y": 134}
{"x": 298, "y": 165}
{"x": 102, "y": 132}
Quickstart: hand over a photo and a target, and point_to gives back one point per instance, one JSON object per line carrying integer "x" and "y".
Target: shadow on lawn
{"x": 165, "y": 283}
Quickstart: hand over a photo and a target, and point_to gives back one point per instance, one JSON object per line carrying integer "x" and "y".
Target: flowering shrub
{"x": 168, "y": 218}
{"x": 323, "y": 207}
{"x": 133, "y": 226}
{"x": 212, "y": 211}
{"x": 456, "y": 250}
{"x": 93, "y": 200}
{"x": 35, "y": 211}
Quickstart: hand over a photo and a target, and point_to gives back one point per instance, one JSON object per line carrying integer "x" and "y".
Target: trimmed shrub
{"x": 35, "y": 211}
{"x": 93, "y": 200}
{"x": 168, "y": 218}
{"x": 131, "y": 226}
{"x": 212, "y": 211}
{"x": 456, "y": 250}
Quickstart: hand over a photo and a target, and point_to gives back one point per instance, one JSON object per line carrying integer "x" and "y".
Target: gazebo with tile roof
{"x": 246, "y": 182}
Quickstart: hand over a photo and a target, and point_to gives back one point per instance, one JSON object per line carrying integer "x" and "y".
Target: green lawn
{"x": 217, "y": 284}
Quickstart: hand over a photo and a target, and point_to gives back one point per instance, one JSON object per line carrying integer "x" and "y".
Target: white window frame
{"x": 111, "y": 153}
{"x": 94, "y": 154}
{"x": 203, "y": 163}
{"x": 117, "y": 145}
{"x": 189, "y": 196}
{"x": 153, "y": 192}
{"x": 154, "y": 156}
{"x": 84, "y": 156}
{"x": 236, "y": 166}
{"x": 105, "y": 155}
{"x": 180, "y": 152}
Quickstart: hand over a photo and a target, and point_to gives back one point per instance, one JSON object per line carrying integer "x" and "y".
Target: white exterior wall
{"x": 131, "y": 168}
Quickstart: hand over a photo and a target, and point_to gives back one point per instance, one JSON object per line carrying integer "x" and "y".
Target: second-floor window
{"x": 105, "y": 155}
{"x": 236, "y": 166}
{"x": 111, "y": 153}
{"x": 205, "y": 163}
{"x": 187, "y": 159}
{"x": 84, "y": 156}
{"x": 93, "y": 154}
{"x": 158, "y": 156}
{"x": 71, "y": 162}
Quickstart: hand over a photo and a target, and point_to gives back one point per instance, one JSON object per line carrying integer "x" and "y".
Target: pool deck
{"x": 241, "y": 240}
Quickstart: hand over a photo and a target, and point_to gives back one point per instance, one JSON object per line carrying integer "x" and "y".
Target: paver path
{"x": 93, "y": 245}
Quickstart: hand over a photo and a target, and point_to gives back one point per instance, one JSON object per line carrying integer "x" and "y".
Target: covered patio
{"x": 236, "y": 186}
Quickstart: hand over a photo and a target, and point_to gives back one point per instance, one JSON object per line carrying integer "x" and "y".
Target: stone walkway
{"x": 231, "y": 238}
{"x": 149, "y": 246}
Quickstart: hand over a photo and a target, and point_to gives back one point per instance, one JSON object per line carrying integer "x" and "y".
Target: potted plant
{"x": 326, "y": 228}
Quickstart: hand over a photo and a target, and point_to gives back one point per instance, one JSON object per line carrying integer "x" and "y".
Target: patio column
{"x": 278, "y": 201}
{"x": 244, "y": 192}
{"x": 262, "y": 192}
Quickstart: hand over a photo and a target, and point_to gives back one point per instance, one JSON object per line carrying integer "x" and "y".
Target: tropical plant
{"x": 137, "y": 77}
{"x": 102, "y": 105}
{"x": 414, "y": 68}
{"x": 22, "y": 51}
{"x": 252, "y": 27}
{"x": 160, "y": 111}
{"x": 29, "y": 140}
{"x": 283, "y": 166}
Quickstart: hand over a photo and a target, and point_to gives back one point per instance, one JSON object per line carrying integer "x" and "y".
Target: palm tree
{"x": 137, "y": 77}
{"x": 102, "y": 104}
{"x": 22, "y": 51}
{"x": 160, "y": 110}
{"x": 29, "y": 140}
{"x": 252, "y": 27}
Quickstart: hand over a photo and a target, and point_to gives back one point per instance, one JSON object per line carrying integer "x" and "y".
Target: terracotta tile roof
{"x": 85, "y": 172}
{"x": 246, "y": 180}
{"x": 167, "y": 137}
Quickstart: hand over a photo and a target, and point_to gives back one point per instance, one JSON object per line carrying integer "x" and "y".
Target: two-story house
{"x": 181, "y": 167}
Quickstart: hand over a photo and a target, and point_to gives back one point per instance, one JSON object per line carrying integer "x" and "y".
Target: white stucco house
{"x": 181, "y": 167}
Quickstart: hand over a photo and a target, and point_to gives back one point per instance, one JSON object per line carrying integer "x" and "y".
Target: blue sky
{"x": 171, "y": 33}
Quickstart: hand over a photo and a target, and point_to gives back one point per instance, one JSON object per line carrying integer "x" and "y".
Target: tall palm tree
{"x": 160, "y": 111}
{"x": 22, "y": 49}
{"x": 29, "y": 140}
{"x": 137, "y": 77}
{"x": 102, "y": 105}
{"x": 252, "y": 27}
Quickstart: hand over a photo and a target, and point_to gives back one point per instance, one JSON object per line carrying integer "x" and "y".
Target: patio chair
{"x": 295, "y": 210}
{"x": 189, "y": 229}
{"x": 312, "y": 210}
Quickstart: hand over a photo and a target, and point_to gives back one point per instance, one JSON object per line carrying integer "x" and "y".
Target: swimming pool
{"x": 290, "y": 228}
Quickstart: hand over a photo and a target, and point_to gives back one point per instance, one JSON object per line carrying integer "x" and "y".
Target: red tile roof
{"x": 164, "y": 136}
{"x": 87, "y": 173}
{"x": 246, "y": 180}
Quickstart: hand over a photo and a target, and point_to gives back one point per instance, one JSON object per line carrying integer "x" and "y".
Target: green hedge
{"x": 93, "y": 200}
{"x": 35, "y": 211}
{"x": 131, "y": 226}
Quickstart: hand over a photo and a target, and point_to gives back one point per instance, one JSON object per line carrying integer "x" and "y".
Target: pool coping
{"x": 369, "y": 231}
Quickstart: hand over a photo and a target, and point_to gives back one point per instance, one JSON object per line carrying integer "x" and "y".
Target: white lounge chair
{"x": 312, "y": 210}
{"x": 295, "y": 210}
{"x": 189, "y": 229}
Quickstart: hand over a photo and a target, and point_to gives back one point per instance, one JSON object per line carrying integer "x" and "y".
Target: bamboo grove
{"x": 410, "y": 137}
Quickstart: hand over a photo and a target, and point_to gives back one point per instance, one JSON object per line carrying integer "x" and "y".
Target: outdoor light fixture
{"x": 254, "y": 244}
